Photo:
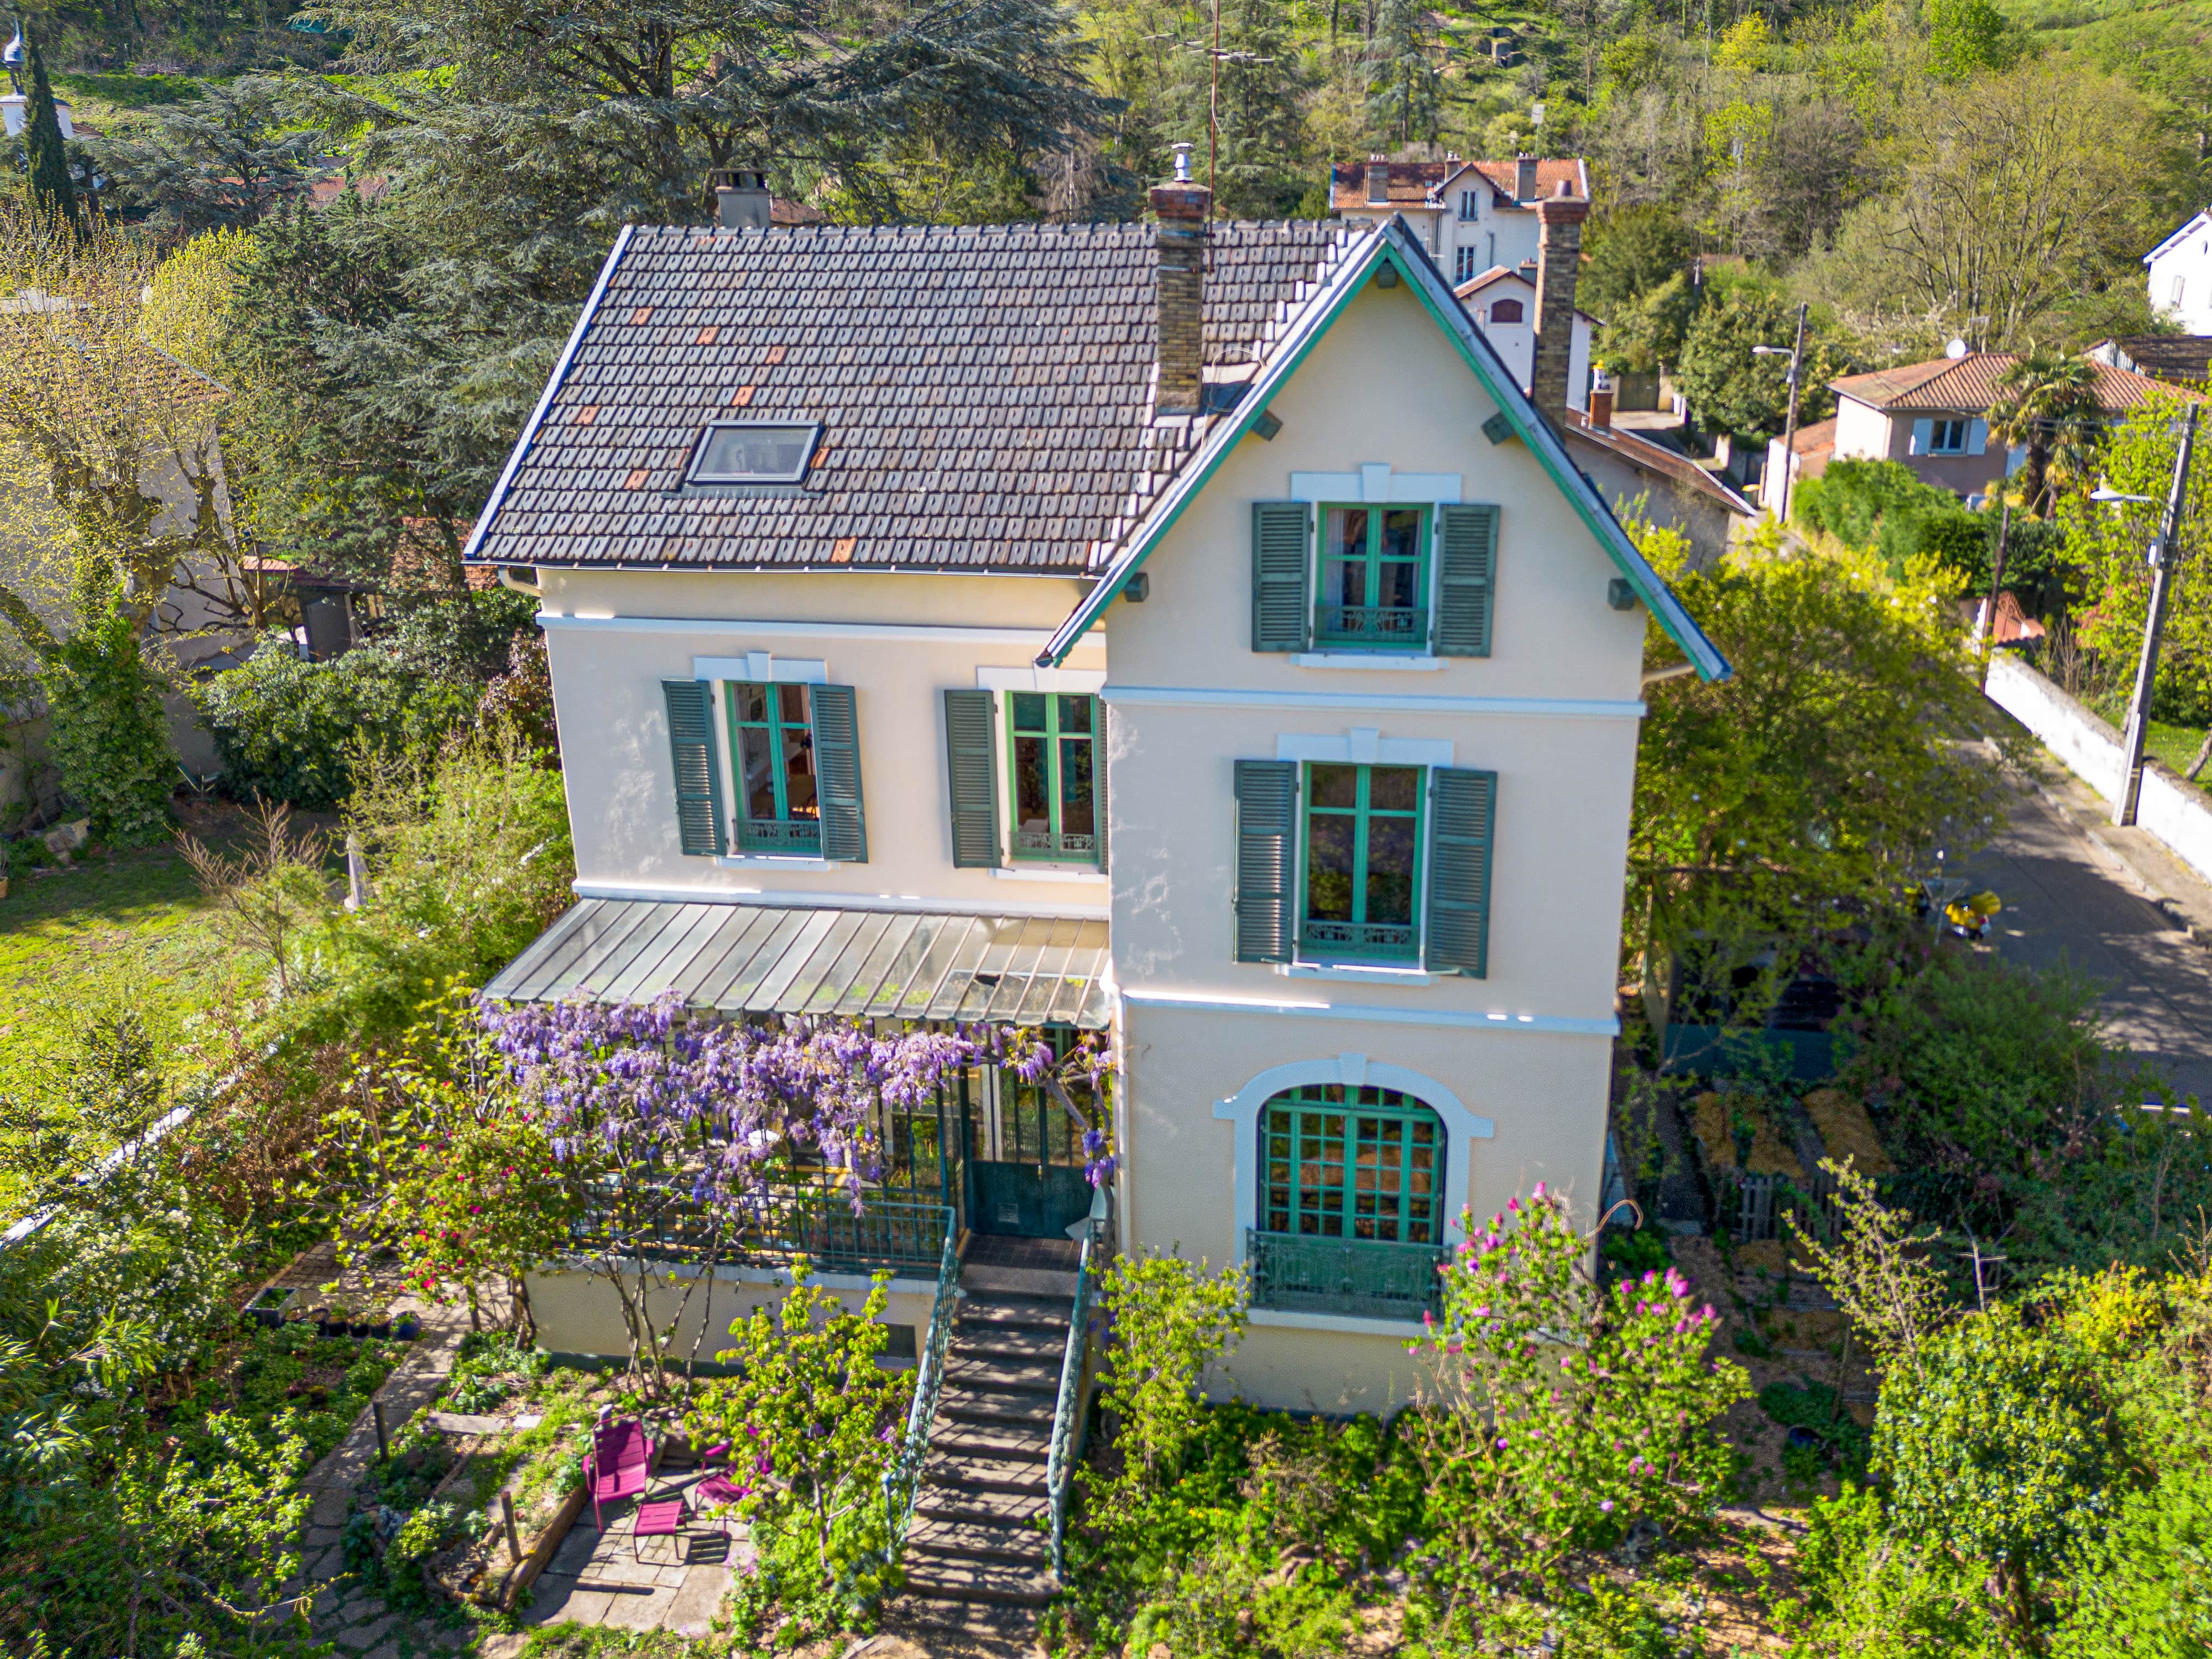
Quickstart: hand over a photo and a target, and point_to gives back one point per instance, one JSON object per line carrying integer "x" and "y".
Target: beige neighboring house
{"x": 1933, "y": 417}
{"x": 1472, "y": 216}
{"x": 1192, "y": 634}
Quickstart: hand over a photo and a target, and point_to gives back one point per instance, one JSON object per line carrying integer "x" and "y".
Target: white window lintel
{"x": 1363, "y": 745}
{"x": 1375, "y": 481}
{"x": 762, "y": 668}
{"x": 1082, "y": 682}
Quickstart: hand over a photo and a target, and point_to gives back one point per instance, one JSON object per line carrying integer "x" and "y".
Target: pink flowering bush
{"x": 1564, "y": 1413}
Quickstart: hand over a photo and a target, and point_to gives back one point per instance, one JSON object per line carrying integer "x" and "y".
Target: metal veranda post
{"x": 2161, "y": 565}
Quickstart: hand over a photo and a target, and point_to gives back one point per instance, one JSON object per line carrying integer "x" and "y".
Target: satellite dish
{"x": 1956, "y": 348}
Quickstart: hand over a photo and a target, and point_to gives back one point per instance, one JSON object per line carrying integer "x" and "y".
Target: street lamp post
{"x": 1797, "y": 355}
{"x": 2161, "y": 565}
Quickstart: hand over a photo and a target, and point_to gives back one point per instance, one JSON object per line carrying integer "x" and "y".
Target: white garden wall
{"x": 2176, "y": 813}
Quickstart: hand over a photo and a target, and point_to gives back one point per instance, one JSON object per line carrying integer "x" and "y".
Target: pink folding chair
{"x": 621, "y": 1456}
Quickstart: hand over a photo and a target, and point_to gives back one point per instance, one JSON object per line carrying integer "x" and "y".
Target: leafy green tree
{"x": 110, "y": 732}
{"x": 52, "y": 187}
{"x": 225, "y": 158}
{"x": 1812, "y": 788}
{"x": 1997, "y": 1447}
{"x": 1966, "y": 38}
{"x": 1407, "y": 98}
{"x": 2106, "y": 545}
{"x": 815, "y": 1420}
{"x": 1729, "y": 387}
{"x": 1170, "y": 1320}
{"x": 1629, "y": 252}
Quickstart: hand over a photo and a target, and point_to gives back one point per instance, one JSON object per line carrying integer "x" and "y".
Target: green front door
{"x": 1025, "y": 1163}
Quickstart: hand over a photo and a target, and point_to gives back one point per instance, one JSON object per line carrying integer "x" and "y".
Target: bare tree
{"x": 1879, "y": 1270}
{"x": 265, "y": 892}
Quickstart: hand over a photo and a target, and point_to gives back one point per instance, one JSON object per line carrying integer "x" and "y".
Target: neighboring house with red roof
{"x": 1472, "y": 216}
{"x": 1933, "y": 416}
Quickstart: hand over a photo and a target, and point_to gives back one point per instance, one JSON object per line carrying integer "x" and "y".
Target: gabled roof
{"x": 1401, "y": 248}
{"x": 985, "y": 394}
{"x": 1969, "y": 385}
{"x": 1430, "y": 184}
{"x": 1474, "y": 285}
{"x": 2202, "y": 221}
{"x": 1657, "y": 461}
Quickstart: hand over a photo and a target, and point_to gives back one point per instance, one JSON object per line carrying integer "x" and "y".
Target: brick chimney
{"x": 1181, "y": 209}
{"x": 1601, "y": 403}
{"x": 1558, "y": 253}
{"x": 1524, "y": 178}
{"x": 742, "y": 196}
{"x": 1378, "y": 182}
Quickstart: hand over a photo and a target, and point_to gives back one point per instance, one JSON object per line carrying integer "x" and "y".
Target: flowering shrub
{"x": 1566, "y": 1412}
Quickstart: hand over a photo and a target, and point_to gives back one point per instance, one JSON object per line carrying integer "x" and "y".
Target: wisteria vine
{"x": 661, "y": 1083}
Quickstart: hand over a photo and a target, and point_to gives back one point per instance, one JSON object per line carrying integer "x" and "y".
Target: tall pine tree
{"x": 42, "y": 138}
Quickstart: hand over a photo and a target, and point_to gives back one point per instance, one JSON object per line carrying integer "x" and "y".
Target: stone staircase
{"x": 979, "y": 1552}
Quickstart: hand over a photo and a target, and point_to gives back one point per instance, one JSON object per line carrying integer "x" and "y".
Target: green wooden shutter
{"x": 971, "y": 763}
{"x": 1467, "y": 570}
{"x": 698, "y": 778}
{"x": 1267, "y": 859}
{"x": 1462, "y": 812}
{"x": 1281, "y": 609}
{"x": 1098, "y": 773}
{"x": 837, "y": 772}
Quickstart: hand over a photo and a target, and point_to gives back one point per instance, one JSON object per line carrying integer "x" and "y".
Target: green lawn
{"x": 2174, "y": 747}
{"x": 121, "y": 930}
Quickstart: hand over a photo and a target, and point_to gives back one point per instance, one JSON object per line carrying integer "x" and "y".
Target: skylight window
{"x": 753, "y": 453}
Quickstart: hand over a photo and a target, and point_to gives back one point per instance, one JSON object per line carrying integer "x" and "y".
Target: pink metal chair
{"x": 662, "y": 1518}
{"x": 622, "y": 1457}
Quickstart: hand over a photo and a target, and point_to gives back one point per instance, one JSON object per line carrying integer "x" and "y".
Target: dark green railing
{"x": 886, "y": 1233}
{"x": 1293, "y": 1273}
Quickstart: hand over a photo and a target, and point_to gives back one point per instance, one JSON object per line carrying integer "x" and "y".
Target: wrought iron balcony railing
{"x": 821, "y": 1227}
{"x": 800, "y": 837}
{"x": 1358, "y": 938}
{"x": 1295, "y": 1273}
{"x": 1043, "y": 844}
{"x": 1396, "y": 625}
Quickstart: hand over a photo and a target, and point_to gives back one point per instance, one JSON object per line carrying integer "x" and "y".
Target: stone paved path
{"x": 599, "y": 1577}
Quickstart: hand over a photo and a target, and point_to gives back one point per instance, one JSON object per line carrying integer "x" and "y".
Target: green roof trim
{"x": 1396, "y": 246}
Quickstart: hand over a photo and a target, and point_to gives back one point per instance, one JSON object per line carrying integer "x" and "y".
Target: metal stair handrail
{"x": 902, "y": 1480}
{"x": 1060, "y": 1465}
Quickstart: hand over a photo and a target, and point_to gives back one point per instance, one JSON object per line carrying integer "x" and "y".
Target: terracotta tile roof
{"x": 1426, "y": 184}
{"x": 985, "y": 394}
{"x": 1655, "y": 460}
{"x": 1969, "y": 385}
{"x": 1814, "y": 439}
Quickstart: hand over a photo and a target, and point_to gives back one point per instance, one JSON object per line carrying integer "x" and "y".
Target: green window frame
{"x": 1373, "y": 565}
{"x": 772, "y": 752}
{"x": 1051, "y": 740}
{"x": 1361, "y": 861}
{"x": 1358, "y": 1163}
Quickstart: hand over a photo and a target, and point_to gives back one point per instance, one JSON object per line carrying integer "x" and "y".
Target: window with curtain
{"x": 772, "y": 742}
{"x": 1344, "y": 1163}
{"x": 1374, "y": 578}
{"x": 1051, "y": 743}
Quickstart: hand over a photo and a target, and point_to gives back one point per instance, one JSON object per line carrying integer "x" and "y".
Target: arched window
{"x": 1358, "y": 1163}
{"x": 1506, "y": 311}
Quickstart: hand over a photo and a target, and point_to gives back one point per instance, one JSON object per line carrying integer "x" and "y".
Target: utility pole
{"x": 1790, "y": 421}
{"x": 2161, "y": 565}
{"x": 1213, "y": 109}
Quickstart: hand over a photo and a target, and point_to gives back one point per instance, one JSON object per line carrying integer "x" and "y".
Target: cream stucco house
{"x": 1193, "y": 633}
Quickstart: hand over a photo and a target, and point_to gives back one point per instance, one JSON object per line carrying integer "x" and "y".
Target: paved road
{"x": 2077, "y": 892}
